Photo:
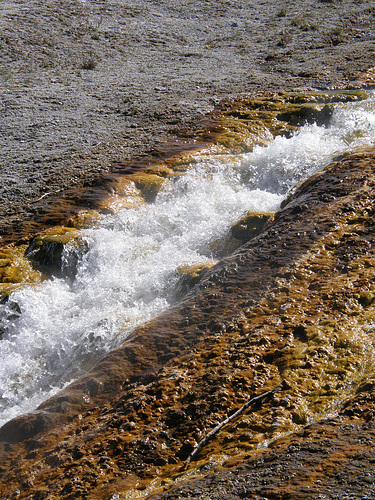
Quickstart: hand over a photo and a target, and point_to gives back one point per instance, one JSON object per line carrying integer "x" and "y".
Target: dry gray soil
{"x": 88, "y": 83}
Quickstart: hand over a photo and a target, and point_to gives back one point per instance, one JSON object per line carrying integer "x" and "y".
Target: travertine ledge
{"x": 294, "y": 304}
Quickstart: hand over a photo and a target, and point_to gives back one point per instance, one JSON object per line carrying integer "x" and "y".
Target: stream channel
{"x": 129, "y": 269}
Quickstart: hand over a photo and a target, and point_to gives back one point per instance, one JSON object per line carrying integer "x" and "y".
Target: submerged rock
{"x": 45, "y": 251}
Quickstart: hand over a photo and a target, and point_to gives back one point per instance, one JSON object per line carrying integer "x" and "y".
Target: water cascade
{"x": 128, "y": 272}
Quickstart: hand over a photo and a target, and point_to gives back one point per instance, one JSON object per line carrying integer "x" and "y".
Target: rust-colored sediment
{"x": 294, "y": 305}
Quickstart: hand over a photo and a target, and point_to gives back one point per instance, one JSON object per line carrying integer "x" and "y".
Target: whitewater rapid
{"x": 61, "y": 328}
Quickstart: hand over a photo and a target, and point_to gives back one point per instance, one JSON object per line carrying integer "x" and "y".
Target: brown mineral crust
{"x": 294, "y": 304}
{"x": 331, "y": 459}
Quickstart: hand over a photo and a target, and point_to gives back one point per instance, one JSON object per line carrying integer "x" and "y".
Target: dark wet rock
{"x": 175, "y": 418}
{"x": 250, "y": 225}
{"x": 190, "y": 275}
{"x": 53, "y": 460}
{"x": 46, "y": 255}
{"x": 25, "y": 426}
{"x": 307, "y": 115}
{"x": 46, "y": 252}
{"x": 41, "y": 494}
{"x": 366, "y": 298}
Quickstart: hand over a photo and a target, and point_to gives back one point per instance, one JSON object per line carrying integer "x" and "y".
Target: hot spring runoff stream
{"x": 63, "y": 327}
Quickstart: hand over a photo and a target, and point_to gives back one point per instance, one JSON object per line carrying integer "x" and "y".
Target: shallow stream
{"x": 61, "y": 328}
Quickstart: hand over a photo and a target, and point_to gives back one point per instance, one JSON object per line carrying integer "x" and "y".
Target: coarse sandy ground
{"x": 88, "y": 84}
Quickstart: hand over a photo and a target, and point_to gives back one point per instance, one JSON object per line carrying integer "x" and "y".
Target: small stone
{"x": 186, "y": 449}
{"x": 250, "y": 225}
{"x": 366, "y": 298}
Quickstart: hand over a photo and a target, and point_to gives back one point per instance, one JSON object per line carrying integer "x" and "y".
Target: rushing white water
{"x": 61, "y": 328}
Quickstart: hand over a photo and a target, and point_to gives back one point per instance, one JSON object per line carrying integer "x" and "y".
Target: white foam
{"x": 127, "y": 274}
